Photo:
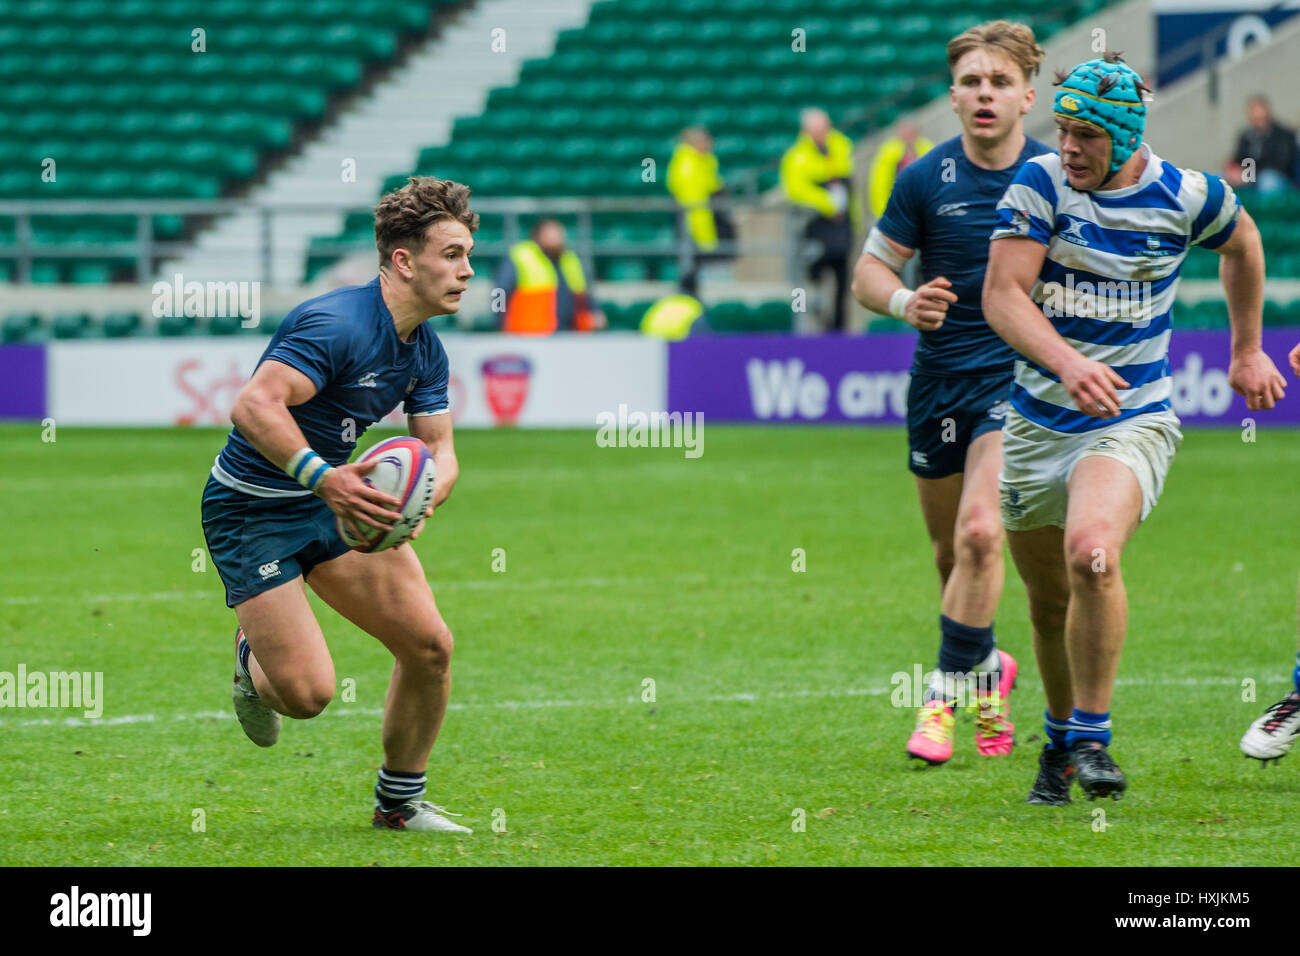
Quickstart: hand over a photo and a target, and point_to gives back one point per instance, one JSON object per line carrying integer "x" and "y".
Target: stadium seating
{"x": 115, "y": 94}
{"x": 617, "y": 91}
{"x": 1276, "y": 216}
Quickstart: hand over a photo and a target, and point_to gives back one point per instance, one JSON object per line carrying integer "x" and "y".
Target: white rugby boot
{"x": 1271, "y": 736}
{"x": 416, "y": 814}
{"x": 261, "y": 724}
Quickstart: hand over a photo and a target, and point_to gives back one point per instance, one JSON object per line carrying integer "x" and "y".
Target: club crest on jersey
{"x": 368, "y": 380}
{"x": 1153, "y": 249}
{"x": 1073, "y": 231}
{"x": 1020, "y": 221}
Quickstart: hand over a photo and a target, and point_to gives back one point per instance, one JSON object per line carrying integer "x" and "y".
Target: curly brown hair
{"x": 403, "y": 217}
{"x": 1014, "y": 40}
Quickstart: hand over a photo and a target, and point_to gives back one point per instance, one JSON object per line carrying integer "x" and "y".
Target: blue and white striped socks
{"x": 396, "y": 787}
{"x": 1056, "y": 730}
{"x": 242, "y": 652}
{"x": 1086, "y": 726}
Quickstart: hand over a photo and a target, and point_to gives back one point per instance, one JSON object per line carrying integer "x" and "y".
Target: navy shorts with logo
{"x": 259, "y": 543}
{"x": 945, "y": 414}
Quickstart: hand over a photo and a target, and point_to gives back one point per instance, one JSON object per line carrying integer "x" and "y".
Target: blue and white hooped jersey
{"x": 1110, "y": 275}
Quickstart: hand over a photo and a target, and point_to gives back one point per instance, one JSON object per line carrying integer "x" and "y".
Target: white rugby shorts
{"x": 1037, "y": 463}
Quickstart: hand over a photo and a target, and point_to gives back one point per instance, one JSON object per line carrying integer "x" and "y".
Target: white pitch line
{"x": 742, "y": 697}
{"x": 474, "y": 584}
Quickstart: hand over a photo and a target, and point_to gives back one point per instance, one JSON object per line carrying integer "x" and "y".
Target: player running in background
{"x": 943, "y": 205}
{"x": 338, "y": 364}
{"x": 1271, "y": 736}
{"x": 1081, "y": 279}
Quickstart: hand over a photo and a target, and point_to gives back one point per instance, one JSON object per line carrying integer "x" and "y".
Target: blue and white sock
{"x": 396, "y": 787}
{"x": 242, "y": 653}
{"x": 1295, "y": 674}
{"x": 1056, "y": 730}
{"x": 1086, "y": 726}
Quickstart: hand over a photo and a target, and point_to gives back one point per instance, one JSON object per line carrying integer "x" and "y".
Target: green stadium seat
{"x": 71, "y": 326}
{"x": 172, "y": 325}
{"x": 118, "y": 325}
{"x": 223, "y": 325}
{"x": 91, "y": 272}
{"x": 19, "y": 328}
{"x": 774, "y": 317}
{"x": 46, "y": 271}
{"x": 728, "y": 317}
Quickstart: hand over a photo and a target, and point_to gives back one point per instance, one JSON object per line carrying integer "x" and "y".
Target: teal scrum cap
{"x": 1106, "y": 93}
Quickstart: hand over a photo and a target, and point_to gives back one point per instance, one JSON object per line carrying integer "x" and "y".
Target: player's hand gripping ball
{"x": 404, "y": 469}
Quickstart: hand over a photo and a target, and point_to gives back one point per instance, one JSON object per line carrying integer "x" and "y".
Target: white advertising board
{"x": 556, "y": 381}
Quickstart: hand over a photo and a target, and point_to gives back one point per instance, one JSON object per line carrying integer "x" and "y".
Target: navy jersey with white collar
{"x": 945, "y": 207}
{"x": 346, "y": 343}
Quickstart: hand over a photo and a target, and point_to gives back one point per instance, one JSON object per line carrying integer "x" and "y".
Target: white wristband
{"x": 307, "y": 468}
{"x": 898, "y": 302}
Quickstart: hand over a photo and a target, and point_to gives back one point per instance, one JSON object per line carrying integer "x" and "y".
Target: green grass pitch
{"x": 771, "y": 686}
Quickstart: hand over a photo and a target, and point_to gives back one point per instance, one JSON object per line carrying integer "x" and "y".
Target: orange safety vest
{"x": 531, "y": 309}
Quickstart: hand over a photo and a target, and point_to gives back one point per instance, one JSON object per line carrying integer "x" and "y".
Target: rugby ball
{"x": 404, "y": 470}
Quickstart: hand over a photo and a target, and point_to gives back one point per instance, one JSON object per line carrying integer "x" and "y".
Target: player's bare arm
{"x": 877, "y": 287}
{"x": 261, "y": 413}
{"x": 1251, "y": 373}
{"x": 1014, "y": 265}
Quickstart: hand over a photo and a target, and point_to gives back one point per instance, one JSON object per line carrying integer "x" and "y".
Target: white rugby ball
{"x": 405, "y": 470}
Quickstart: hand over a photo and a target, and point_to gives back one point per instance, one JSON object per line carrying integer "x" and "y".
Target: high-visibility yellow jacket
{"x": 693, "y": 179}
{"x": 805, "y": 170}
{"x": 531, "y": 309}
{"x": 884, "y": 170}
{"x": 671, "y": 317}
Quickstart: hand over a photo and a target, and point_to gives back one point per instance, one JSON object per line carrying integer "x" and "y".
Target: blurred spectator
{"x": 694, "y": 182}
{"x": 1270, "y": 146}
{"x": 817, "y": 174}
{"x": 545, "y": 287}
{"x": 893, "y": 156}
{"x": 674, "y": 317}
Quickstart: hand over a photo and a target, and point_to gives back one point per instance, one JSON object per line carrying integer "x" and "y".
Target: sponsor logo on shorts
{"x": 920, "y": 459}
{"x": 1106, "y": 444}
{"x": 1000, "y": 409}
{"x": 1011, "y": 506}
{"x": 952, "y": 209}
{"x": 269, "y": 570}
{"x": 411, "y": 384}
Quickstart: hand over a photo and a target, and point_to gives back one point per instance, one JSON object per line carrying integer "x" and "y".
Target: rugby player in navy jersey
{"x": 943, "y": 205}
{"x": 338, "y": 364}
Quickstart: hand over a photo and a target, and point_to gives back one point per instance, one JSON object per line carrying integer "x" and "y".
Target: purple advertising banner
{"x": 22, "y": 382}
{"x": 863, "y": 379}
